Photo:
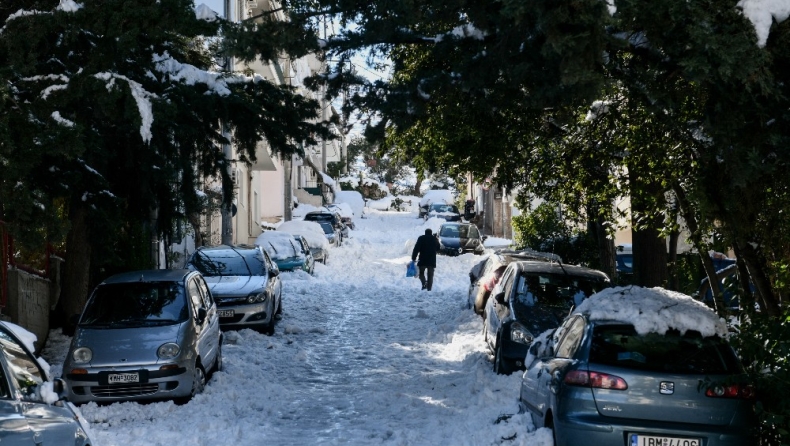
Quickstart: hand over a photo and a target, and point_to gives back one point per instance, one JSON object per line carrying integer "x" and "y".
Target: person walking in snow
{"x": 426, "y": 247}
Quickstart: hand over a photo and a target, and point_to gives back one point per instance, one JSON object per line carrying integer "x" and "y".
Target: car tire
{"x": 198, "y": 384}
{"x": 501, "y": 365}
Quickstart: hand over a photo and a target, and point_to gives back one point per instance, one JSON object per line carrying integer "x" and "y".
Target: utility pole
{"x": 288, "y": 173}
{"x": 323, "y": 115}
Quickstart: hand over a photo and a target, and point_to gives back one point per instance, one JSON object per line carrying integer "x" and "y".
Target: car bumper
{"x": 599, "y": 430}
{"x": 254, "y": 315}
{"x": 154, "y": 383}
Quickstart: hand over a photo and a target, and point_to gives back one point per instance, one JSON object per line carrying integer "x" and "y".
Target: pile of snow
{"x": 344, "y": 209}
{"x": 653, "y": 310}
{"x": 310, "y": 230}
{"x": 279, "y": 245}
{"x": 762, "y": 14}
{"x": 303, "y": 209}
{"x": 352, "y": 198}
{"x": 437, "y": 196}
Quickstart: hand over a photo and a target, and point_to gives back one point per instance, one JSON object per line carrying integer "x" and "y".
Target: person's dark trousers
{"x": 426, "y": 284}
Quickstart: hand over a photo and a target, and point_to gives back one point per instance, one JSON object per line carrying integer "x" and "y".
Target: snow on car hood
{"x": 653, "y": 310}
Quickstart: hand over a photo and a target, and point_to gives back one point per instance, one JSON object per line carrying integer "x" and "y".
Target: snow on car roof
{"x": 653, "y": 310}
{"x": 310, "y": 230}
{"x": 437, "y": 196}
{"x": 279, "y": 245}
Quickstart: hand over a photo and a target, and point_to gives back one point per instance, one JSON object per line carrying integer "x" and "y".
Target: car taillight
{"x": 595, "y": 380}
{"x": 742, "y": 391}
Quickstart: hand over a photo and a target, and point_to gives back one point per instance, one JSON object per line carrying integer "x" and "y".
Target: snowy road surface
{"x": 361, "y": 356}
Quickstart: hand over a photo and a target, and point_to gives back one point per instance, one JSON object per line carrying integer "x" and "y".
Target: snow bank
{"x": 653, "y": 310}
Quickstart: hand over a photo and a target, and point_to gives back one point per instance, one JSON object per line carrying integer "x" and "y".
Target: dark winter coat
{"x": 427, "y": 246}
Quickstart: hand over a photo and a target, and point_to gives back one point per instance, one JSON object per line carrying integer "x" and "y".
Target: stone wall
{"x": 29, "y": 303}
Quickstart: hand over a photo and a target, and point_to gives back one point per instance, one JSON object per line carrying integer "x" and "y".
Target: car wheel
{"x": 501, "y": 366}
{"x": 279, "y": 311}
{"x": 198, "y": 384}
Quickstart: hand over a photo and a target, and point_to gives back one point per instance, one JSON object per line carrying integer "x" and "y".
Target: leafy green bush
{"x": 543, "y": 229}
{"x": 764, "y": 346}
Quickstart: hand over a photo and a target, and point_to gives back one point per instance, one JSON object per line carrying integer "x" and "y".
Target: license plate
{"x": 123, "y": 378}
{"x": 226, "y": 313}
{"x": 650, "y": 440}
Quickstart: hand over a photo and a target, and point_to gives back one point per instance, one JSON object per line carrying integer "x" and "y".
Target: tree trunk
{"x": 76, "y": 270}
{"x": 649, "y": 247}
{"x": 674, "y": 281}
{"x": 696, "y": 240}
{"x": 606, "y": 250}
{"x": 762, "y": 284}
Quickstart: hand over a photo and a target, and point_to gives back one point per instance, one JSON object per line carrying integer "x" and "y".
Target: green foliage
{"x": 543, "y": 229}
{"x": 764, "y": 345}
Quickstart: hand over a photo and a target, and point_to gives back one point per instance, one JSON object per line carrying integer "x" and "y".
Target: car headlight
{"x": 82, "y": 355}
{"x": 519, "y": 333}
{"x": 168, "y": 351}
{"x": 256, "y": 297}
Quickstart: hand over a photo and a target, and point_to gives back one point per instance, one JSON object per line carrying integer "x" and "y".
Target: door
{"x": 203, "y": 339}
{"x": 568, "y": 339}
{"x": 212, "y": 318}
{"x": 499, "y": 312}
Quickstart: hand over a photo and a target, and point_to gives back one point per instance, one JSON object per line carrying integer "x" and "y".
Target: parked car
{"x": 32, "y": 408}
{"x": 345, "y": 211}
{"x": 441, "y": 196}
{"x": 333, "y": 235}
{"x": 639, "y": 366}
{"x": 313, "y": 233}
{"x": 448, "y": 212}
{"x": 532, "y": 297}
{"x": 245, "y": 283}
{"x": 145, "y": 335}
{"x": 289, "y": 252}
{"x": 484, "y": 275}
{"x": 459, "y": 238}
{"x": 331, "y": 217}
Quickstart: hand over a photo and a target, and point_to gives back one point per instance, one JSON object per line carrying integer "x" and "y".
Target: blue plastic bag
{"x": 411, "y": 269}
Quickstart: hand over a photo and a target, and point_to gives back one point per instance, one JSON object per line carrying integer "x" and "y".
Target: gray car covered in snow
{"x": 31, "y": 411}
{"x": 144, "y": 335}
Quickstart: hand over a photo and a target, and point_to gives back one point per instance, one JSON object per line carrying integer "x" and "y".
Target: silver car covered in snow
{"x": 31, "y": 411}
{"x": 145, "y": 335}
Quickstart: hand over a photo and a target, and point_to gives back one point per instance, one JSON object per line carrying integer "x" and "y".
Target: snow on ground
{"x": 361, "y": 356}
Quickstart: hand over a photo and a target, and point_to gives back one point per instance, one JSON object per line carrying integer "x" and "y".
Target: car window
{"x": 228, "y": 262}
{"x": 24, "y": 370}
{"x": 208, "y": 299}
{"x": 473, "y": 232}
{"x": 270, "y": 265}
{"x": 508, "y": 283}
{"x": 449, "y": 231}
{"x": 573, "y": 338}
{"x": 526, "y": 288}
{"x": 193, "y": 289}
{"x": 305, "y": 248}
{"x": 672, "y": 352}
{"x": 120, "y": 305}
{"x": 463, "y": 231}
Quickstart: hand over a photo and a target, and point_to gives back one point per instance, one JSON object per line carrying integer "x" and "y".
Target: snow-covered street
{"x": 361, "y": 356}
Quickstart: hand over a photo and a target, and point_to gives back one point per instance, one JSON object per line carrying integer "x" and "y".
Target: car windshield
{"x": 454, "y": 231}
{"x": 23, "y": 368}
{"x": 229, "y": 262}
{"x": 119, "y": 305}
{"x": 328, "y": 229}
{"x": 689, "y": 353}
{"x": 555, "y": 290}
{"x": 444, "y": 208}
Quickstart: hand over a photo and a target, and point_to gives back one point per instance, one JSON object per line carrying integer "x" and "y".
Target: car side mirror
{"x": 202, "y": 314}
{"x": 500, "y": 297}
{"x": 485, "y": 237}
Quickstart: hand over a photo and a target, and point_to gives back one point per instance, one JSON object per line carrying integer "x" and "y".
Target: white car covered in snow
{"x": 313, "y": 233}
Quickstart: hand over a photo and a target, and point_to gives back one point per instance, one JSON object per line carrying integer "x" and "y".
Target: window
{"x": 23, "y": 369}
{"x": 207, "y": 298}
{"x": 690, "y": 353}
{"x": 194, "y": 295}
{"x": 573, "y": 338}
{"x": 124, "y": 305}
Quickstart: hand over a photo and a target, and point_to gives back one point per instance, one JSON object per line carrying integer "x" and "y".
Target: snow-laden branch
{"x": 141, "y": 96}
{"x": 762, "y": 13}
